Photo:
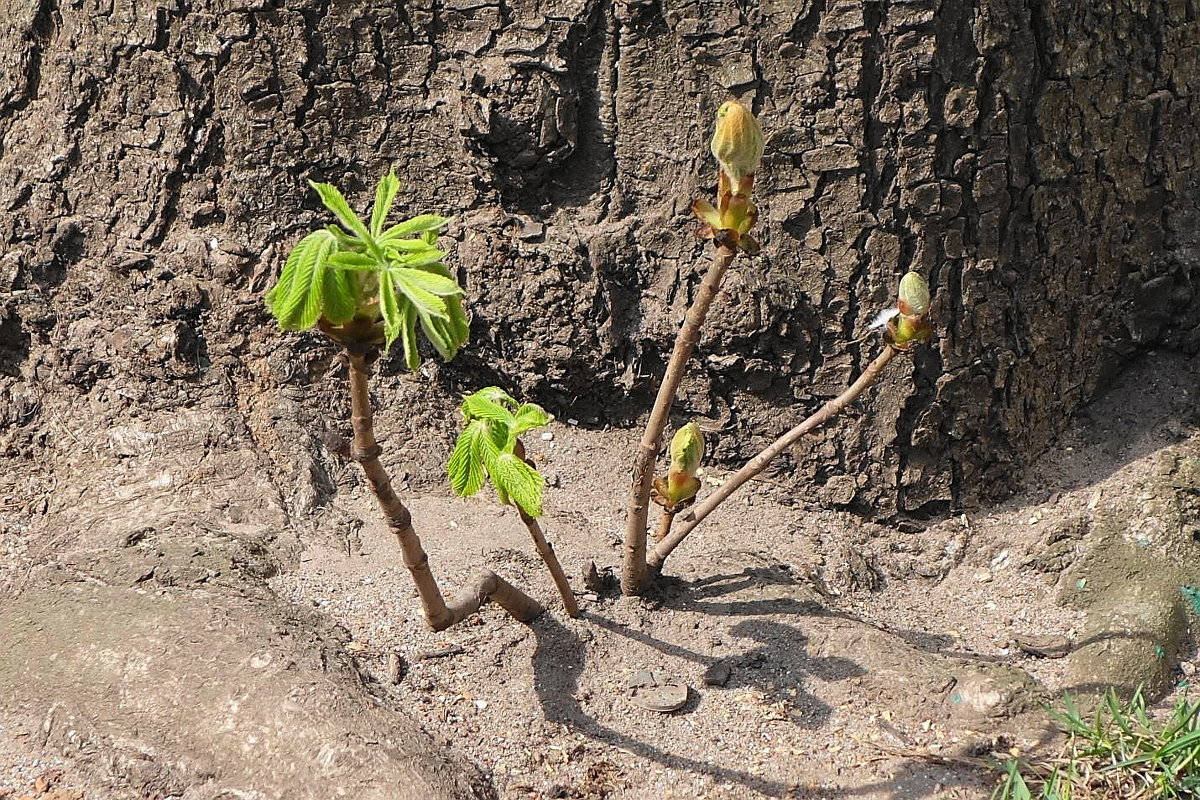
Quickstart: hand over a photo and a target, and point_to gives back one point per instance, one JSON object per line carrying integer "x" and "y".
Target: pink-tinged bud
{"x": 914, "y": 296}
{"x": 681, "y": 485}
{"x": 909, "y": 327}
{"x": 679, "y": 488}
{"x": 737, "y": 143}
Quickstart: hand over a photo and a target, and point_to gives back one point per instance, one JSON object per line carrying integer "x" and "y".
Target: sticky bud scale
{"x": 737, "y": 143}
{"x": 687, "y": 449}
{"x": 914, "y": 296}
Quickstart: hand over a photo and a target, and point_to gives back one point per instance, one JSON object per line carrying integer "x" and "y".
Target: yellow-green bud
{"x": 909, "y": 327}
{"x": 907, "y": 331}
{"x": 737, "y": 143}
{"x": 687, "y": 449}
{"x": 914, "y": 296}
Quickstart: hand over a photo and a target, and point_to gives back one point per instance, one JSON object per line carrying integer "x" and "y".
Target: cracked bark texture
{"x": 1036, "y": 160}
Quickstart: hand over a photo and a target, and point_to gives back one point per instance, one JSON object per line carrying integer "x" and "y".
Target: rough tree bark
{"x": 1035, "y": 159}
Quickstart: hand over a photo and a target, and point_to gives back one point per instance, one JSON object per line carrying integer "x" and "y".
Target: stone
{"x": 717, "y": 674}
{"x": 655, "y": 691}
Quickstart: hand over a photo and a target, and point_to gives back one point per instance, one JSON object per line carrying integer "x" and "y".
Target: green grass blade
{"x": 1188, "y": 740}
{"x": 1117, "y": 715}
{"x": 1185, "y": 715}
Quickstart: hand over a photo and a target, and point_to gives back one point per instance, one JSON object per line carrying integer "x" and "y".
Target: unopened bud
{"x": 687, "y": 449}
{"x": 909, "y": 327}
{"x": 737, "y": 142}
{"x": 914, "y": 296}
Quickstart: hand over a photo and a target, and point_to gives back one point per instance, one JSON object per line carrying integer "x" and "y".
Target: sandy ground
{"x": 852, "y": 648}
{"x": 829, "y": 624}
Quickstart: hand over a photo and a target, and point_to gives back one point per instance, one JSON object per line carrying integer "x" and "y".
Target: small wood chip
{"x": 445, "y": 652}
{"x": 1051, "y": 646}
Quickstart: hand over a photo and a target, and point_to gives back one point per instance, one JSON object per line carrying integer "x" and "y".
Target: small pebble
{"x": 717, "y": 674}
{"x": 548, "y": 436}
{"x": 983, "y": 575}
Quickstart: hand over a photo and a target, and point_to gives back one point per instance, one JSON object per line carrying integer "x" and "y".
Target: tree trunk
{"x": 1035, "y": 160}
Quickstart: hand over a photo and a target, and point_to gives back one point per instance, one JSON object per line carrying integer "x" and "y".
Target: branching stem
{"x": 757, "y": 464}
{"x": 366, "y": 450}
{"x": 634, "y": 570}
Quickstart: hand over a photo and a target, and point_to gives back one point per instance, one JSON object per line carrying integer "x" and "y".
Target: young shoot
{"x": 490, "y": 449}
{"x": 366, "y": 286}
{"x": 737, "y": 145}
{"x": 678, "y": 489}
{"x": 903, "y": 332}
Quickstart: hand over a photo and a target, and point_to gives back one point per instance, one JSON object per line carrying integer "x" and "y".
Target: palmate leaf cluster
{"x": 488, "y": 449}
{"x": 361, "y": 270}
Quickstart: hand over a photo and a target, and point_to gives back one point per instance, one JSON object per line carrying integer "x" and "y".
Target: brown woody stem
{"x": 546, "y": 551}
{"x": 365, "y": 450}
{"x": 487, "y": 585}
{"x": 760, "y": 461}
{"x": 634, "y": 570}
{"x": 664, "y": 525}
